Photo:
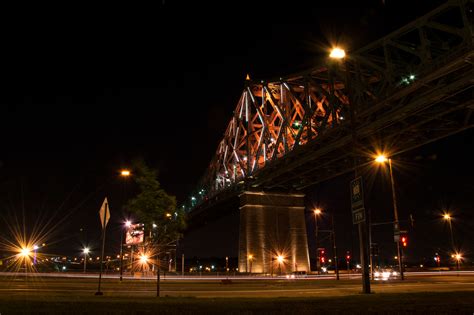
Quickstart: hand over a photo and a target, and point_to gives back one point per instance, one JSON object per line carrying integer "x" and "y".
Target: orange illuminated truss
{"x": 271, "y": 119}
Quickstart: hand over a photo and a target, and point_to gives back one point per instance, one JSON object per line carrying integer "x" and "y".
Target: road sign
{"x": 357, "y": 193}
{"x": 104, "y": 213}
{"x": 358, "y": 215}
{"x": 396, "y": 228}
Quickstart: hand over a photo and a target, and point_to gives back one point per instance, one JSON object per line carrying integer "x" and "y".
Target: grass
{"x": 461, "y": 302}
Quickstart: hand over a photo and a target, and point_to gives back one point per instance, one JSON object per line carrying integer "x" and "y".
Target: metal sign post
{"x": 359, "y": 218}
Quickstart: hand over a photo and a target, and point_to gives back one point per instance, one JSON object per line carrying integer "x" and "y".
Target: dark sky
{"x": 62, "y": 141}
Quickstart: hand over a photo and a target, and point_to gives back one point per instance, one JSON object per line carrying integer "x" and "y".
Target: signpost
{"x": 357, "y": 201}
{"x": 359, "y": 218}
{"x": 396, "y": 232}
{"x": 104, "y": 215}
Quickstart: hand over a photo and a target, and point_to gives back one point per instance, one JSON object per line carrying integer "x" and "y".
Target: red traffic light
{"x": 404, "y": 240}
{"x": 348, "y": 257}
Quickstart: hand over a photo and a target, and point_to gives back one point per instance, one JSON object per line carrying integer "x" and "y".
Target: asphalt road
{"x": 20, "y": 285}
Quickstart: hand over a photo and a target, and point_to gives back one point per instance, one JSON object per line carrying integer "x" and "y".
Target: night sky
{"x": 63, "y": 142}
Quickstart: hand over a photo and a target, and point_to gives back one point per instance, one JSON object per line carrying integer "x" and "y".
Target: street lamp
{"x": 337, "y": 53}
{"x": 381, "y": 158}
{"x": 143, "y": 259}
{"x": 85, "y": 251}
{"x": 447, "y": 217}
{"x": 317, "y": 212}
{"x": 125, "y": 174}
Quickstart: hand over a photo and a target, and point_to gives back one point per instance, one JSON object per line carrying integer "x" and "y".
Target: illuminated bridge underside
{"x": 410, "y": 88}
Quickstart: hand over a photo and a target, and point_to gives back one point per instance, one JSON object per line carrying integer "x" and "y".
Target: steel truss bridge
{"x": 412, "y": 87}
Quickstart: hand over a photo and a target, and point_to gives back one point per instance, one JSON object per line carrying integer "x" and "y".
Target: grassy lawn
{"x": 461, "y": 302}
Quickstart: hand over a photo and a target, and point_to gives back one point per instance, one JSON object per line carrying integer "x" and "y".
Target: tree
{"x": 163, "y": 222}
{"x": 155, "y": 208}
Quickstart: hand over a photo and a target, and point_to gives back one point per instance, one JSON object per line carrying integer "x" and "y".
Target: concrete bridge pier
{"x": 272, "y": 237}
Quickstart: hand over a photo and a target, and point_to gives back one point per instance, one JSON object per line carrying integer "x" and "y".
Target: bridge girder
{"x": 411, "y": 87}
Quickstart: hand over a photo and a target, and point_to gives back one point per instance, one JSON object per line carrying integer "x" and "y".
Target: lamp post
{"x": 338, "y": 55}
{"x": 125, "y": 174}
{"x": 280, "y": 259}
{"x": 317, "y": 212}
{"x": 458, "y": 258}
{"x": 85, "y": 251}
{"x": 382, "y": 159}
{"x": 127, "y": 225}
{"x": 250, "y": 263}
{"x": 448, "y": 218}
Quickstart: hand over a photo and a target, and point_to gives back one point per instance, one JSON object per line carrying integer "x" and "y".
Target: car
{"x": 385, "y": 274}
{"x": 298, "y": 274}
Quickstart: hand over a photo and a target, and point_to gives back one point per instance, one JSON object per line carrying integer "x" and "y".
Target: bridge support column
{"x": 272, "y": 225}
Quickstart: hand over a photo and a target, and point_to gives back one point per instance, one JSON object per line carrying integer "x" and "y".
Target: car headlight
{"x": 394, "y": 273}
{"x": 385, "y": 274}
{"x": 377, "y": 274}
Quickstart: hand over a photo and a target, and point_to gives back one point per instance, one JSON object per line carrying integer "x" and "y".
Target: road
{"x": 204, "y": 276}
{"x": 73, "y": 285}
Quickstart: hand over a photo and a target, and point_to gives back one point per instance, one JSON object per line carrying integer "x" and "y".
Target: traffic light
{"x": 404, "y": 240}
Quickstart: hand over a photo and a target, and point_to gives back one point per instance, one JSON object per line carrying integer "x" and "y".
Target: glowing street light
{"x": 280, "y": 259}
{"x": 25, "y": 252}
{"x": 143, "y": 259}
{"x": 381, "y": 159}
{"x": 337, "y": 53}
{"x": 125, "y": 173}
{"x": 446, "y": 216}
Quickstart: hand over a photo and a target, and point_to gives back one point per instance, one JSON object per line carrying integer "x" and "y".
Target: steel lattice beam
{"x": 410, "y": 88}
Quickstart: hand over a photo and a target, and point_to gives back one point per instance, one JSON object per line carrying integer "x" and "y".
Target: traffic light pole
{"x": 395, "y": 214}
